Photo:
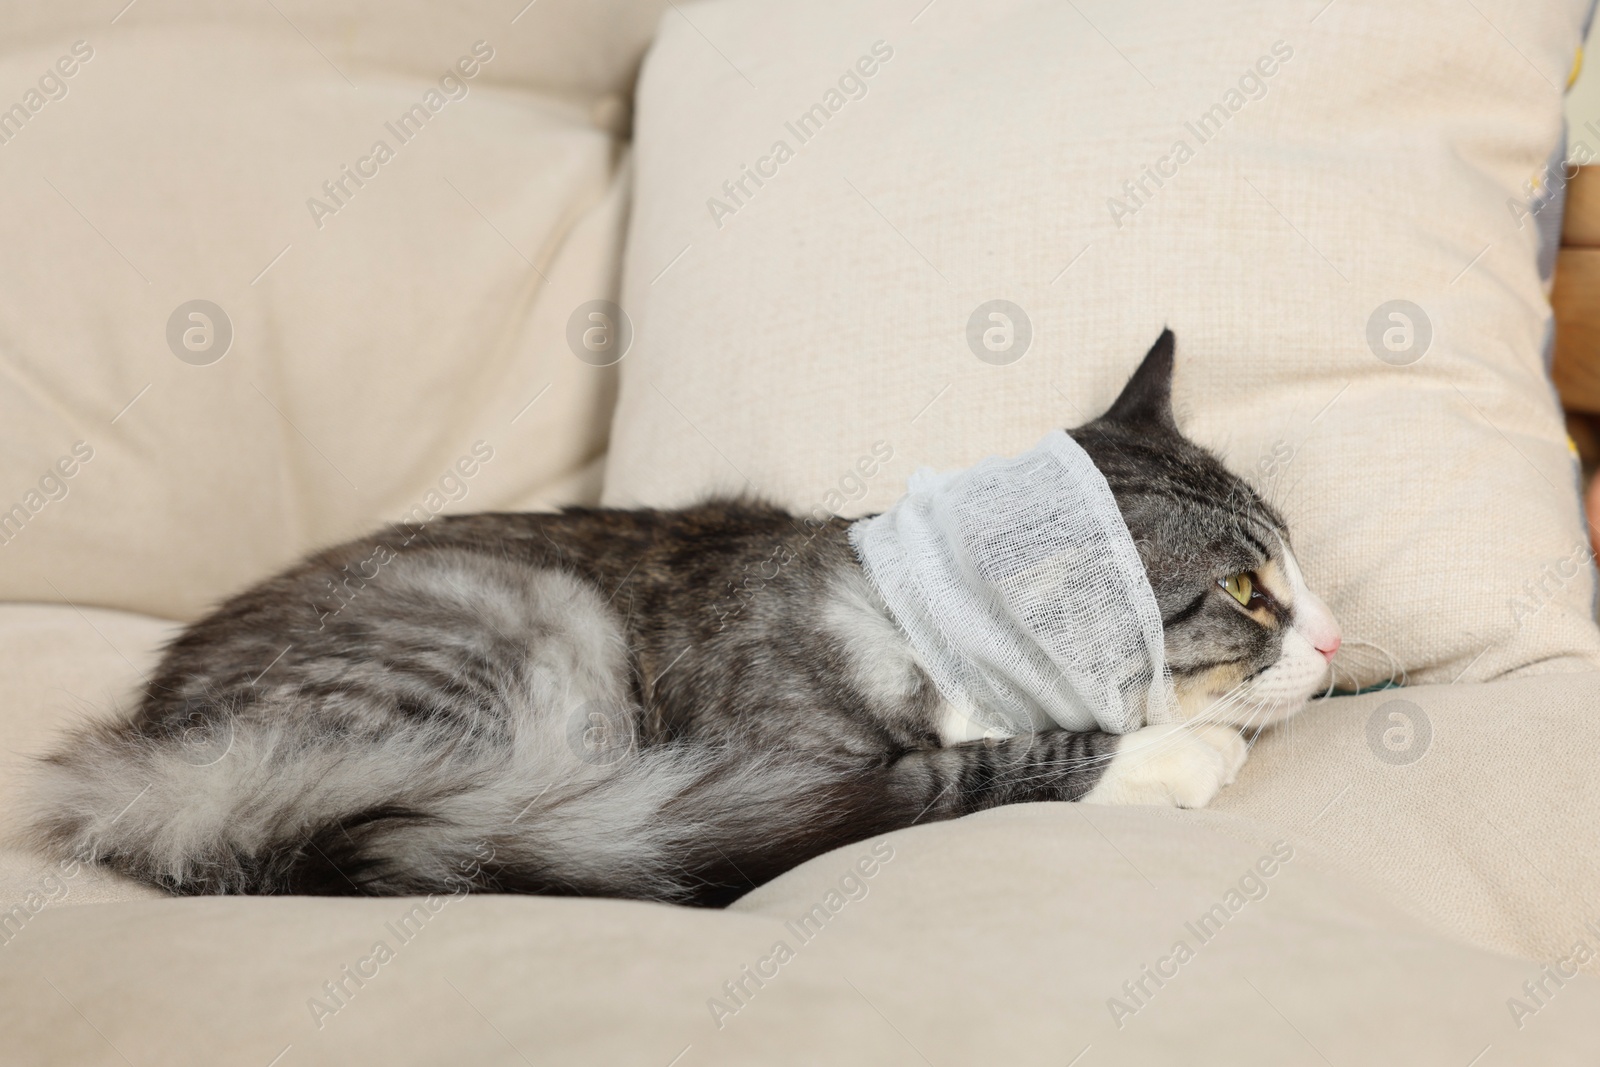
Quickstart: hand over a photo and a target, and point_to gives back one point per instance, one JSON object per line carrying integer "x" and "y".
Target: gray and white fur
{"x": 572, "y": 703}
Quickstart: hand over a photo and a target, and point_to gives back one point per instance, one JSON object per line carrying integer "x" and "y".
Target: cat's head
{"x": 1246, "y": 641}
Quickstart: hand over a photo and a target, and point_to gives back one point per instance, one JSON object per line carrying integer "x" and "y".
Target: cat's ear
{"x": 1146, "y": 401}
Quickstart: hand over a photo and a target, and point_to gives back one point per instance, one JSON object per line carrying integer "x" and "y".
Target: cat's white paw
{"x": 1228, "y": 742}
{"x": 1175, "y": 764}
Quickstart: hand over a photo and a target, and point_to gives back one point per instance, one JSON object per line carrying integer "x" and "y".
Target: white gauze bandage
{"x": 1020, "y": 589}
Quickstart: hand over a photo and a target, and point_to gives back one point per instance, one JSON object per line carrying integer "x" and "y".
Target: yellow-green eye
{"x": 1240, "y": 587}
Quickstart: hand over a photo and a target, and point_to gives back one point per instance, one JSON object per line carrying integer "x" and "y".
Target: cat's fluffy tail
{"x": 264, "y": 804}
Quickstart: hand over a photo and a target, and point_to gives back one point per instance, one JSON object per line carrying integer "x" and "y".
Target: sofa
{"x": 274, "y": 274}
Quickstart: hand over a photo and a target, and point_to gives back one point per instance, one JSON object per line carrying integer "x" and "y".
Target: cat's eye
{"x": 1240, "y": 587}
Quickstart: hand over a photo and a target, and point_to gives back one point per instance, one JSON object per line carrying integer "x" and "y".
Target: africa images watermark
{"x": 1251, "y": 887}
{"x": 1540, "y": 990}
{"x": 850, "y": 487}
{"x": 199, "y": 332}
{"x": 738, "y": 992}
{"x": 52, "y": 486}
{"x": 852, "y": 85}
{"x": 453, "y": 487}
{"x": 52, "y": 85}
{"x": 1546, "y": 187}
{"x": 1399, "y": 732}
{"x": 1252, "y": 85}
{"x": 339, "y": 991}
{"x": 999, "y": 332}
{"x": 1274, "y": 460}
{"x": 342, "y": 188}
{"x": 50, "y": 889}
{"x": 1553, "y": 579}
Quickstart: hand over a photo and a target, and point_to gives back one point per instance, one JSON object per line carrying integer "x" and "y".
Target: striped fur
{"x": 671, "y": 705}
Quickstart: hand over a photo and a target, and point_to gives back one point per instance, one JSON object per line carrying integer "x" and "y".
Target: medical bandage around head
{"x": 1022, "y": 594}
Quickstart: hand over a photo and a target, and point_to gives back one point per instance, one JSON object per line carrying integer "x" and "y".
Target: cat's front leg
{"x": 1179, "y": 764}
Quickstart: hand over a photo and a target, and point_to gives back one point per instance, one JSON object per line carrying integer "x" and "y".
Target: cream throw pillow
{"x": 863, "y": 229}
{"x": 398, "y": 340}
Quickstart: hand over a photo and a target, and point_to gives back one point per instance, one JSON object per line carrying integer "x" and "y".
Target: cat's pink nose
{"x": 1317, "y": 623}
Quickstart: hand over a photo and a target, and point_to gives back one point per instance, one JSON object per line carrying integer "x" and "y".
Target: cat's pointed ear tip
{"x": 1146, "y": 399}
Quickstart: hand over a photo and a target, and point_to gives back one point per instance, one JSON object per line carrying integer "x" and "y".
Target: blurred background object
{"x": 1576, "y": 293}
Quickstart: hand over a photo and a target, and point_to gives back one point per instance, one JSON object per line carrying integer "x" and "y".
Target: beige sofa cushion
{"x": 1364, "y": 154}
{"x": 61, "y": 666}
{"x": 373, "y": 347}
{"x": 585, "y": 48}
{"x": 1001, "y": 939}
{"x": 1468, "y": 812}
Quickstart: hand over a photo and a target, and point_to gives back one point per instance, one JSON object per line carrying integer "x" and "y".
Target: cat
{"x": 564, "y": 703}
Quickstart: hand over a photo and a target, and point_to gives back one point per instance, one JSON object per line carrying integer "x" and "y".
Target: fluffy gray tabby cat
{"x": 563, "y": 703}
